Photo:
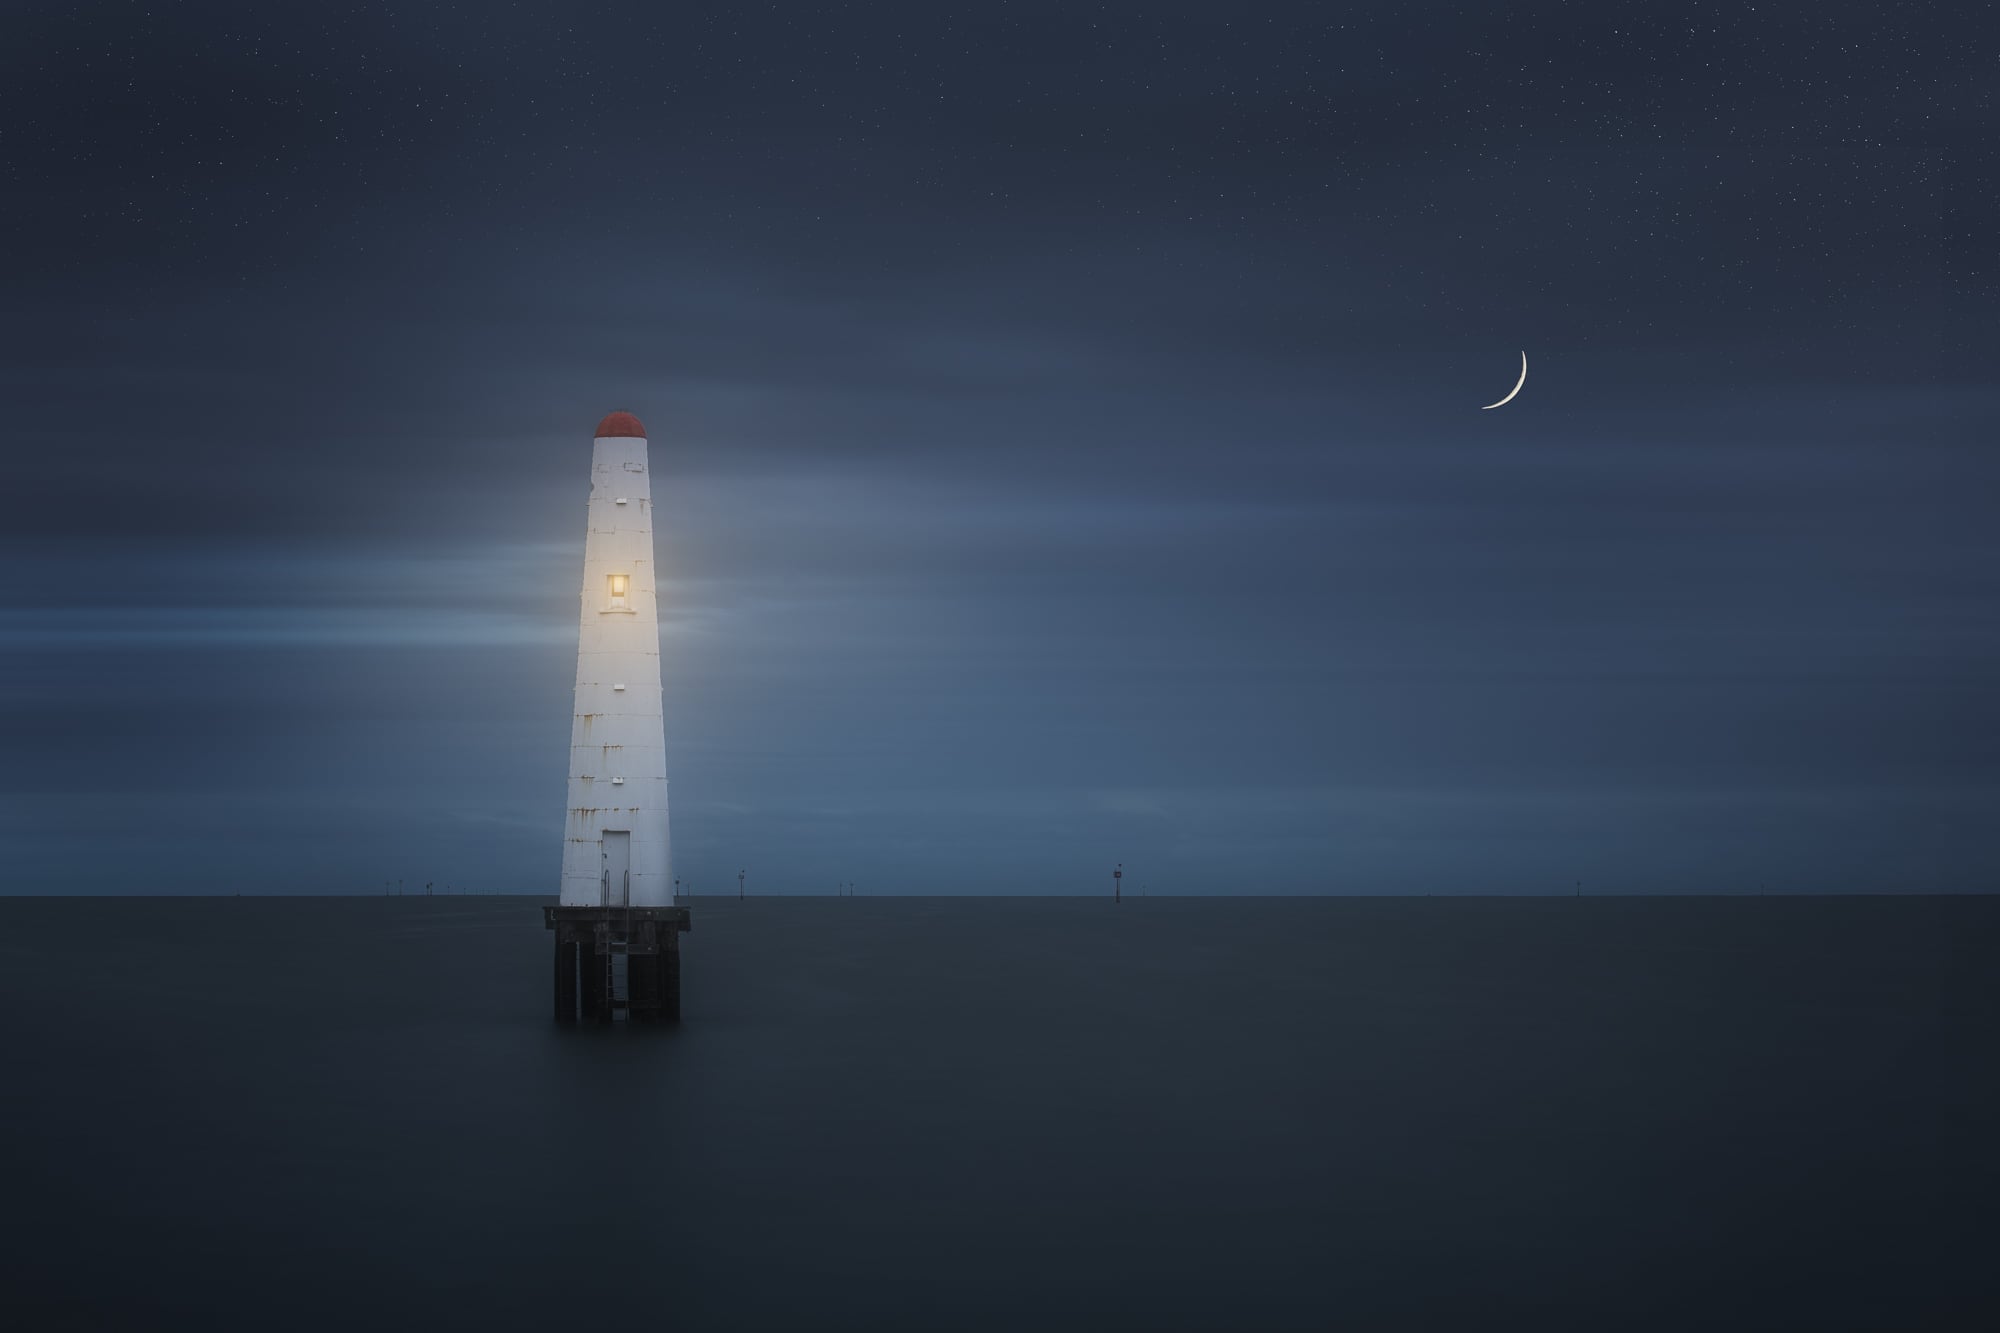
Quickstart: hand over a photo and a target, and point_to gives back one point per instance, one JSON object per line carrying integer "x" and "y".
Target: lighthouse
{"x": 616, "y": 922}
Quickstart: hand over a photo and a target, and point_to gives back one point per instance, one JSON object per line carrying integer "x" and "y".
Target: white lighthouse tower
{"x": 615, "y": 848}
{"x": 617, "y": 901}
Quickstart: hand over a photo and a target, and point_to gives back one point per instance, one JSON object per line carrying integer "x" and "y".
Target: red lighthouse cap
{"x": 620, "y": 425}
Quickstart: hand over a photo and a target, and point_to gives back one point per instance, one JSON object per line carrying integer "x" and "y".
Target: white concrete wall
{"x": 618, "y": 733}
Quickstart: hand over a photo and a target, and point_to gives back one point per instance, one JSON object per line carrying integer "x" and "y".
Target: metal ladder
{"x": 611, "y": 952}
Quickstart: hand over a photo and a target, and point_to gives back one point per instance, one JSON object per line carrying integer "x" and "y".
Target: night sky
{"x": 1066, "y": 432}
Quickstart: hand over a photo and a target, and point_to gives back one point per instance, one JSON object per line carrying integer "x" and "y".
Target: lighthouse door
{"x": 617, "y": 868}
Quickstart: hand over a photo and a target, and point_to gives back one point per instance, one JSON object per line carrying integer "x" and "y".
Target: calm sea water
{"x": 1010, "y": 1114}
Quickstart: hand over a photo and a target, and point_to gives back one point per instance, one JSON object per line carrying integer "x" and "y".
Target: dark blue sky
{"x": 1067, "y": 435}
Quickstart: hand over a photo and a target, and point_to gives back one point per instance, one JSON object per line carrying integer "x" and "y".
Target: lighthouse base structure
{"x": 612, "y": 960}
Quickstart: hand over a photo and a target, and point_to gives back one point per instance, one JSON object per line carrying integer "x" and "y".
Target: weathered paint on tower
{"x": 615, "y": 848}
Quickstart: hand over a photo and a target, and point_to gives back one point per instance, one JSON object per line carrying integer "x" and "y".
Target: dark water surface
{"x": 954, "y": 1114}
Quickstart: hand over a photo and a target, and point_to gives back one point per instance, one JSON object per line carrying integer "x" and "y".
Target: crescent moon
{"x": 1516, "y": 389}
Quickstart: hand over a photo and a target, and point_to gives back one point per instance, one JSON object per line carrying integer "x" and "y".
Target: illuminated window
{"x": 618, "y": 582}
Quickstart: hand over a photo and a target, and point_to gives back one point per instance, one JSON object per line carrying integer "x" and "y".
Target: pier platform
{"x": 613, "y": 960}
